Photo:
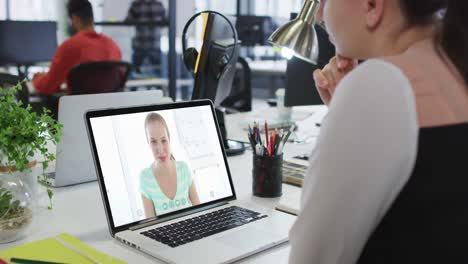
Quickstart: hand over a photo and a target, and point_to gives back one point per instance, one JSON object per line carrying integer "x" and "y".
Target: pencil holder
{"x": 267, "y": 176}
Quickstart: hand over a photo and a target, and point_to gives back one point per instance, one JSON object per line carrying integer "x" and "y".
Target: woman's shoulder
{"x": 376, "y": 85}
{"x": 182, "y": 168}
{"x": 381, "y": 67}
{"x": 146, "y": 172}
{"x": 182, "y": 165}
{"x": 377, "y": 76}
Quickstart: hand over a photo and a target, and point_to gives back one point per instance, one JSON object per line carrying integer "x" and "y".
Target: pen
{"x": 287, "y": 136}
{"x": 270, "y": 150}
{"x": 31, "y": 261}
{"x": 277, "y": 143}
{"x": 259, "y": 150}
{"x": 273, "y": 142}
{"x": 280, "y": 148}
{"x": 259, "y": 136}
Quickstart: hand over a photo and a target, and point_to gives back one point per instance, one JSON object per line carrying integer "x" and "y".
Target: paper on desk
{"x": 51, "y": 250}
{"x": 290, "y": 201}
{"x": 271, "y": 113}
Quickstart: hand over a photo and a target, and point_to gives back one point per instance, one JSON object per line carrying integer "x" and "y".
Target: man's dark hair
{"x": 81, "y": 9}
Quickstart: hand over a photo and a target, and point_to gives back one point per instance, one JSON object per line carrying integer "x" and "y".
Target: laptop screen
{"x": 155, "y": 162}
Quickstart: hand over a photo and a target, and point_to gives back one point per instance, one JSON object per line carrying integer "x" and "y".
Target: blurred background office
{"x": 148, "y": 32}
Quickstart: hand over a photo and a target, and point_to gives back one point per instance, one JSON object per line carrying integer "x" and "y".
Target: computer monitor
{"x": 300, "y": 85}
{"x": 254, "y": 30}
{"x": 207, "y": 84}
{"x": 27, "y": 42}
{"x": 217, "y": 42}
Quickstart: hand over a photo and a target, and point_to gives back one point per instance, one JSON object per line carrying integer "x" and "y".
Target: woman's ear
{"x": 374, "y": 11}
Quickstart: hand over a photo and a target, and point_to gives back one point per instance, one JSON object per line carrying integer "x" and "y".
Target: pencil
{"x": 32, "y": 261}
{"x": 287, "y": 136}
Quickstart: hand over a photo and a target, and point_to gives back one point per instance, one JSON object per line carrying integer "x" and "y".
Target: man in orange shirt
{"x": 85, "y": 46}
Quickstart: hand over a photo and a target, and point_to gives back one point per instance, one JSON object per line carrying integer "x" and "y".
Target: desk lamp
{"x": 298, "y": 37}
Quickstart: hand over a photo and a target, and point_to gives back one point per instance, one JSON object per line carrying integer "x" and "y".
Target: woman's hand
{"x": 328, "y": 78}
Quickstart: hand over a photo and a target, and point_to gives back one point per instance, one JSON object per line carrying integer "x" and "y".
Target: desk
{"x": 79, "y": 211}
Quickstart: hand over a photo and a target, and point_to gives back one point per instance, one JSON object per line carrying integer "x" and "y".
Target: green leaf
{"x": 24, "y": 133}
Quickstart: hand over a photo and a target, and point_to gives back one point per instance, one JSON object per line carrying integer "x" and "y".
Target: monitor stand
{"x": 232, "y": 147}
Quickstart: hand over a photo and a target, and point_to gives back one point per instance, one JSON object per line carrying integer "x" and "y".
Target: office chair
{"x": 240, "y": 99}
{"x": 99, "y": 77}
{"x": 9, "y": 80}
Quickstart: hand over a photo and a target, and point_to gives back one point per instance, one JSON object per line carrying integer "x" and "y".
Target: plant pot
{"x": 16, "y": 204}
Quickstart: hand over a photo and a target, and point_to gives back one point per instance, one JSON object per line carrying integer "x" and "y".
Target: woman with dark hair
{"x": 387, "y": 181}
{"x": 166, "y": 185}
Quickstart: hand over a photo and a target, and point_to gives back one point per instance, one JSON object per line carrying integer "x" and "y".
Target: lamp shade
{"x": 298, "y": 37}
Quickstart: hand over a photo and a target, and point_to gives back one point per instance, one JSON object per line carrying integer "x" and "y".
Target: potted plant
{"x": 23, "y": 134}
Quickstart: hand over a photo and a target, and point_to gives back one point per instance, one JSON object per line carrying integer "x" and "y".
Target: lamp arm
{"x": 309, "y": 11}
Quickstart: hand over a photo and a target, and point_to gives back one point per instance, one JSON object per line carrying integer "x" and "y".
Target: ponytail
{"x": 454, "y": 35}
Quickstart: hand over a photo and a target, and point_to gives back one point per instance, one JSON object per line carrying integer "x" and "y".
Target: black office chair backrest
{"x": 99, "y": 77}
{"x": 9, "y": 80}
{"x": 240, "y": 98}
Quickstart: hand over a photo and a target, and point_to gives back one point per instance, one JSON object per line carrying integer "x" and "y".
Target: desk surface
{"x": 78, "y": 210}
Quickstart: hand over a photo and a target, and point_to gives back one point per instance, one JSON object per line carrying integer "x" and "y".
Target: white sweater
{"x": 364, "y": 156}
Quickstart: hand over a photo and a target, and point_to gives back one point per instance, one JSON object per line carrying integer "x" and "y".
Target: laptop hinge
{"x": 158, "y": 221}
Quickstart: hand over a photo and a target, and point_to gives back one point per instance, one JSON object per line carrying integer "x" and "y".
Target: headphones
{"x": 190, "y": 55}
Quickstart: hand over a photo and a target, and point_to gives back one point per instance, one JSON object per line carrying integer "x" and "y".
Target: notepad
{"x": 290, "y": 202}
{"x": 293, "y": 173}
{"x": 52, "y": 250}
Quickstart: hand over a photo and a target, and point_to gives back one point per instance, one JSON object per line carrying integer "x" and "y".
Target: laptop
{"x": 74, "y": 163}
{"x": 196, "y": 220}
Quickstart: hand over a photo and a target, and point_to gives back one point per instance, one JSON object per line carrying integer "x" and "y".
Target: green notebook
{"x": 52, "y": 250}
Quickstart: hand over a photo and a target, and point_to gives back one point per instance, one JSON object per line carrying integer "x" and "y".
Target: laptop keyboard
{"x": 196, "y": 228}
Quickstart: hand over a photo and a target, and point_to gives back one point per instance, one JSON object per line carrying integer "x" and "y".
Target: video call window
{"x": 154, "y": 163}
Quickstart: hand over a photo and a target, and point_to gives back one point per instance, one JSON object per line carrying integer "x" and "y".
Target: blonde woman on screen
{"x": 166, "y": 185}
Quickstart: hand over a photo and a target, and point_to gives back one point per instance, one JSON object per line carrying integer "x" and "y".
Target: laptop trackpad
{"x": 249, "y": 238}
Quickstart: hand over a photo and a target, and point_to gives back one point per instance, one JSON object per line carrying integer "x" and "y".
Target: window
{"x": 227, "y": 7}
{"x": 40, "y": 9}
{"x": 276, "y": 8}
{"x": 2, "y": 9}
{"x": 33, "y": 10}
